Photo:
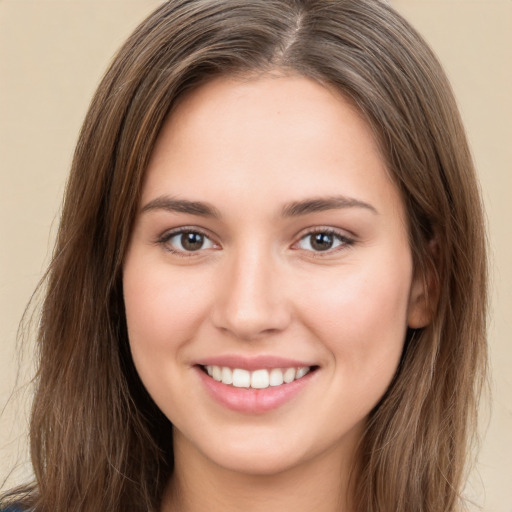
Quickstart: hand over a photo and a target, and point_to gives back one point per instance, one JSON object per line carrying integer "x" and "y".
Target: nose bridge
{"x": 253, "y": 302}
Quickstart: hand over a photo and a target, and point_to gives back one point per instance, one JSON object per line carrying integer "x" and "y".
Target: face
{"x": 269, "y": 282}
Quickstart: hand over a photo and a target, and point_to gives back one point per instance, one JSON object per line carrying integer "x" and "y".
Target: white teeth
{"x": 276, "y": 377}
{"x": 227, "y": 375}
{"x": 217, "y": 373}
{"x": 260, "y": 379}
{"x": 289, "y": 375}
{"x": 301, "y": 372}
{"x": 257, "y": 379}
{"x": 241, "y": 378}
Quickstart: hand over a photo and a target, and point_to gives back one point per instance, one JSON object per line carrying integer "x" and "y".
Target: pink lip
{"x": 253, "y": 363}
{"x": 253, "y": 401}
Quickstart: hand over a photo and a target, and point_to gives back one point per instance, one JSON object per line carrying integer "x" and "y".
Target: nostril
{"x": 253, "y": 322}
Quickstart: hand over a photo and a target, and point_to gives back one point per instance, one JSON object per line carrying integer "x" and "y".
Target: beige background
{"x": 52, "y": 54}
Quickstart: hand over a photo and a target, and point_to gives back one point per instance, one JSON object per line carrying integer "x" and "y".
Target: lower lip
{"x": 253, "y": 401}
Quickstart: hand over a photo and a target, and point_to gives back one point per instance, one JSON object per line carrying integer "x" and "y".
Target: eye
{"x": 323, "y": 241}
{"x": 187, "y": 241}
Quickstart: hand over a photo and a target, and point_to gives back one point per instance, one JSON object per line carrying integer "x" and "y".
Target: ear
{"x": 424, "y": 293}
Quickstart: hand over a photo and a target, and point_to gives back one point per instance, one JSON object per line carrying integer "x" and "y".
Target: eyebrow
{"x": 293, "y": 209}
{"x": 321, "y": 204}
{"x": 171, "y": 204}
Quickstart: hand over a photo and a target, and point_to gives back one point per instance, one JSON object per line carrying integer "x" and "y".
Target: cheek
{"x": 163, "y": 307}
{"x": 361, "y": 314}
{"x": 361, "y": 319}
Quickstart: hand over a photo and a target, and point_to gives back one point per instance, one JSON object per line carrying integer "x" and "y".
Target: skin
{"x": 249, "y": 149}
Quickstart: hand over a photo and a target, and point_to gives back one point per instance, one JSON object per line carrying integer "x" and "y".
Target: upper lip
{"x": 253, "y": 362}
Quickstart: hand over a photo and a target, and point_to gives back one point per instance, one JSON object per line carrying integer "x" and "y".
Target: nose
{"x": 251, "y": 301}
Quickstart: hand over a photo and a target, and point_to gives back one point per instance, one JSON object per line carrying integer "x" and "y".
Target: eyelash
{"x": 344, "y": 241}
{"x": 168, "y": 236}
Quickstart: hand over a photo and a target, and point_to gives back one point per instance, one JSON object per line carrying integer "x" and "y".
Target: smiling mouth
{"x": 256, "y": 379}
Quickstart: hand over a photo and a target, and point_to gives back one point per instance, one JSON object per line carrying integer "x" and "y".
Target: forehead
{"x": 286, "y": 135}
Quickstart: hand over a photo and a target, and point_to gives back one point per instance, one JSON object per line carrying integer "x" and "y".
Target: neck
{"x": 199, "y": 484}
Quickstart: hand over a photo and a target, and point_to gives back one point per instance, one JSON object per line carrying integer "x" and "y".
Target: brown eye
{"x": 187, "y": 241}
{"x": 323, "y": 241}
{"x": 192, "y": 241}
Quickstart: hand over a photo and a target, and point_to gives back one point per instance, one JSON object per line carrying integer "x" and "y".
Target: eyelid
{"x": 346, "y": 239}
{"x": 164, "y": 238}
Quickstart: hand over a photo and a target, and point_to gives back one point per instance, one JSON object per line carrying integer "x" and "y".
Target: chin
{"x": 263, "y": 462}
{"x": 245, "y": 451}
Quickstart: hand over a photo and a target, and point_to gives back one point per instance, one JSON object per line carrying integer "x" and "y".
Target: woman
{"x": 269, "y": 284}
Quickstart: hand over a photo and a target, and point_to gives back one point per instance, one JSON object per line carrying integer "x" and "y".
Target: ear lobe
{"x": 420, "y": 309}
{"x": 424, "y": 293}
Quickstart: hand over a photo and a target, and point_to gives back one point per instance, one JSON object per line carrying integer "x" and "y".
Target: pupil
{"x": 322, "y": 241}
{"x": 192, "y": 241}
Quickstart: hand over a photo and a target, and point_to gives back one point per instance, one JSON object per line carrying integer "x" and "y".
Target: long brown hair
{"x": 98, "y": 442}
